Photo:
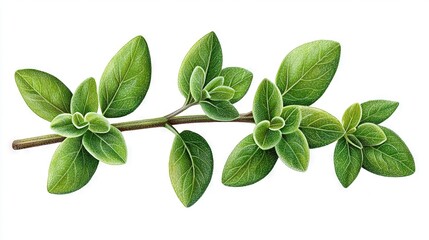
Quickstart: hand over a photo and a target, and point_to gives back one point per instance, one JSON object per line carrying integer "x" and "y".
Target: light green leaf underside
{"x": 390, "y": 159}
{"x": 206, "y": 53}
{"x": 43, "y": 93}
{"x": 292, "y": 117}
{"x": 293, "y": 150}
{"x": 247, "y": 164}
{"x": 126, "y": 79}
{"x": 85, "y": 98}
{"x": 215, "y": 82}
{"x": 107, "y": 147}
{"x": 264, "y": 137}
{"x": 79, "y": 121}
{"x": 307, "y": 71}
{"x": 369, "y": 134}
{"x": 63, "y": 125}
{"x": 319, "y": 127}
{"x": 190, "y": 166}
{"x": 347, "y": 162}
{"x": 277, "y": 123}
{"x": 377, "y": 111}
{"x": 222, "y": 93}
{"x": 267, "y": 102}
{"x": 239, "y": 79}
{"x": 352, "y": 116}
{"x": 198, "y": 77}
{"x": 97, "y": 123}
{"x": 219, "y": 110}
{"x": 71, "y": 167}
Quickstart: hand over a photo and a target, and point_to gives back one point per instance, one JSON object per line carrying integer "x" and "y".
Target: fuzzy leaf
{"x": 222, "y": 93}
{"x": 293, "y": 150}
{"x": 353, "y": 140}
{"x": 265, "y": 137}
{"x": 198, "y": 77}
{"x": 85, "y": 98}
{"x": 292, "y": 117}
{"x": 267, "y": 102}
{"x": 79, "y": 121}
{"x": 43, "y": 93}
{"x": 369, "y": 134}
{"x": 277, "y": 123}
{"x": 190, "y": 166}
{"x": 352, "y": 116}
{"x": 97, "y": 123}
{"x": 239, "y": 79}
{"x": 347, "y": 162}
{"x": 247, "y": 164}
{"x": 215, "y": 82}
{"x": 219, "y": 110}
{"x": 126, "y": 79}
{"x": 377, "y": 111}
{"x": 63, "y": 125}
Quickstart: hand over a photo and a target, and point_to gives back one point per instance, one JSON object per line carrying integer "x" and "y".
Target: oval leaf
{"x": 370, "y": 134}
{"x": 222, "y": 93}
{"x": 63, "y": 125}
{"x": 267, "y": 102}
{"x": 390, "y": 159}
{"x": 247, "y": 164}
{"x": 107, "y": 147}
{"x": 216, "y": 82}
{"x": 206, "y": 53}
{"x": 198, "y": 77}
{"x": 126, "y": 79}
{"x": 190, "y": 166}
{"x": 85, "y": 98}
{"x": 277, "y": 123}
{"x": 353, "y": 140}
{"x": 239, "y": 79}
{"x": 293, "y": 150}
{"x": 265, "y": 137}
{"x": 43, "y": 93}
{"x": 71, "y": 167}
{"x": 97, "y": 123}
{"x": 377, "y": 111}
{"x": 292, "y": 117}
{"x": 79, "y": 121}
{"x": 219, "y": 110}
{"x": 319, "y": 127}
{"x": 352, "y": 116}
{"x": 307, "y": 71}
{"x": 347, "y": 161}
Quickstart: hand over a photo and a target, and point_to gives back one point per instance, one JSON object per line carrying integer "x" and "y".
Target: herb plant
{"x": 286, "y": 126}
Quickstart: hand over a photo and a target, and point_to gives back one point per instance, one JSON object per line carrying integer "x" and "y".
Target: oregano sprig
{"x": 286, "y": 126}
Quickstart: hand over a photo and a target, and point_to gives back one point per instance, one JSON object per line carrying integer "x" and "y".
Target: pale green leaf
{"x": 265, "y": 137}
{"x": 277, "y": 123}
{"x": 353, "y": 140}
{"x": 239, "y": 79}
{"x": 190, "y": 166}
{"x": 222, "y": 93}
{"x": 377, "y": 111}
{"x": 292, "y": 117}
{"x": 97, "y": 123}
{"x": 79, "y": 121}
{"x": 369, "y": 134}
{"x": 267, "y": 102}
{"x": 390, "y": 159}
{"x": 293, "y": 150}
{"x": 63, "y": 125}
{"x": 352, "y": 116}
{"x": 71, "y": 167}
{"x": 85, "y": 98}
{"x": 307, "y": 71}
{"x": 43, "y": 93}
{"x": 347, "y": 162}
{"x": 247, "y": 164}
{"x": 126, "y": 79}
{"x": 198, "y": 77}
{"x": 107, "y": 147}
{"x": 215, "y": 82}
{"x": 219, "y": 110}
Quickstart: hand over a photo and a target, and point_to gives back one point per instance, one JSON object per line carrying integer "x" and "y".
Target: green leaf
{"x": 247, "y": 164}
{"x": 107, "y": 147}
{"x": 347, "y": 162}
{"x": 126, "y": 79}
{"x": 353, "y": 140}
{"x": 277, "y": 123}
{"x": 79, "y": 121}
{"x": 292, "y": 117}
{"x": 319, "y": 127}
{"x": 293, "y": 150}
{"x": 307, "y": 71}
{"x": 191, "y": 166}
{"x": 352, "y": 116}
{"x": 370, "y": 134}
{"x": 216, "y": 82}
{"x": 239, "y": 79}
{"x": 43, "y": 93}
{"x": 71, "y": 167}
{"x": 222, "y": 93}
{"x": 219, "y": 110}
{"x": 267, "y": 102}
{"x": 265, "y": 137}
{"x": 390, "y": 159}
{"x": 85, "y": 98}
{"x": 377, "y": 111}
{"x": 63, "y": 125}
{"x": 198, "y": 77}
{"x": 206, "y": 53}
{"x": 97, "y": 123}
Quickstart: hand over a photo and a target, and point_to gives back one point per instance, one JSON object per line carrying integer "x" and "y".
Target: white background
{"x": 384, "y": 56}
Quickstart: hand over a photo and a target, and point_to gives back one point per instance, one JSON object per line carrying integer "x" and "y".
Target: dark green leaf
{"x": 267, "y": 103}
{"x": 277, "y": 123}
{"x": 191, "y": 166}
{"x": 126, "y": 79}
{"x": 219, "y": 110}
{"x": 198, "y": 77}
{"x": 265, "y": 137}
{"x": 107, "y": 147}
{"x": 71, "y": 167}
{"x": 239, "y": 79}
{"x": 319, "y": 127}
{"x": 369, "y": 134}
{"x": 352, "y": 116}
{"x": 97, "y": 123}
{"x": 347, "y": 162}
{"x": 85, "y": 98}
{"x": 247, "y": 164}
{"x": 292, "y": 117}
{"x": 43, "y": 93}
{"x": 63, "y": 125}
{"x": 206, "y": 53}
{"x": 78, "y": 120}
{"x": 293, "y": 150}
{"x": 390, "y": 159}
{"x": 377, "y": 111}
{"x": 307, "y": 71}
